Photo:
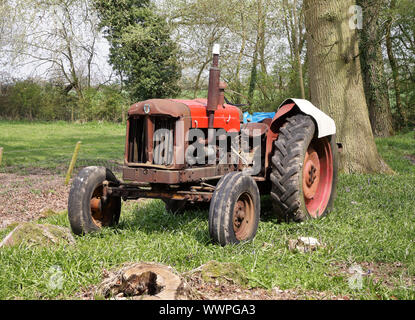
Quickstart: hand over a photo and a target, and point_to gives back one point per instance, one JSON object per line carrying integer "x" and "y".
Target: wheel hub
{"x": 311, "y": 174}
{"x": 243, "y": 217}
{"x": 239, "y": 215}
{"x": 100, "y": 205}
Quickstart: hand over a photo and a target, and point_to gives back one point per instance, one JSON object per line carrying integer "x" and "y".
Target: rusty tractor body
{"x": 209, "y": 151}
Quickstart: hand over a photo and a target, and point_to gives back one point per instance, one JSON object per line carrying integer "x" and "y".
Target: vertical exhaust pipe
{"x": 213, "y": 91}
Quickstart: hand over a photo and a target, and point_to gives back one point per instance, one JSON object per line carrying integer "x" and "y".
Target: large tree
{"x": 141, "y": 48}
{"x": 371, "y": 58}
{"x": 336, "y": 83}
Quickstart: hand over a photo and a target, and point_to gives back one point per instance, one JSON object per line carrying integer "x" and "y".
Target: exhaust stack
{"x": 214, "y": 90}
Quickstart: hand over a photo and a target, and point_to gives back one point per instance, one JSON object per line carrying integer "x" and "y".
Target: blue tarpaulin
{"x": 258, "y": 116}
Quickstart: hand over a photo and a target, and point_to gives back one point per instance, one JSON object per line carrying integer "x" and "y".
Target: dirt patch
{"x": 233, "y": 292}
{"x": 390, "y": 275}
{"x": 59, "y": 167}
{"x": 26, "y": 198}
{"x": 221, "y": 273}
{"x": 411, "y": 158}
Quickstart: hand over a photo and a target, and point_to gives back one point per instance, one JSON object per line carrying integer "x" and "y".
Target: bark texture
{"x": 336, "y": 82}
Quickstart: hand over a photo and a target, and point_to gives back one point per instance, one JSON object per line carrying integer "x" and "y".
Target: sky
{"x": 38, "y": 26}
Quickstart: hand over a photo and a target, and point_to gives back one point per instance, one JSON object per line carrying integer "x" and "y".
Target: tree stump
{"x": 144, "y": 281}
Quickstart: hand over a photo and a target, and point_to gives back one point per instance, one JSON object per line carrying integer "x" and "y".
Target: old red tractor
{"x": 206, "y": 150}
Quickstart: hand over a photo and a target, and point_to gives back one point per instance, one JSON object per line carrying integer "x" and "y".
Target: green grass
{"x": 49, "y": 146}
{"x": 373, "y": 221}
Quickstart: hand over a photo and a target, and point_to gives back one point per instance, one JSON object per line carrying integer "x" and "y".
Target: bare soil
{"x": 391, "y": 275}
{"x": 411, "y": 158}
{"x": 218, "y": 291}
{"x": 27, "y": 198}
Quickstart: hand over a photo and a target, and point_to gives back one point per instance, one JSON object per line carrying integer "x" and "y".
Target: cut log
{"x": 144, "y": 281}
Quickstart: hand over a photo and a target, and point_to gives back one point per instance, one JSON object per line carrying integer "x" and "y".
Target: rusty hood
{"x": 172, "y": 108}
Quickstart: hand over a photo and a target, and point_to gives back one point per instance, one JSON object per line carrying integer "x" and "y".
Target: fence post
{"x": 1, "y": 155}
{"x": 73, "y": 162}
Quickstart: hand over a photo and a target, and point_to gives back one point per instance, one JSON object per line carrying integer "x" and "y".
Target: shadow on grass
{"x": 152, "y": 218}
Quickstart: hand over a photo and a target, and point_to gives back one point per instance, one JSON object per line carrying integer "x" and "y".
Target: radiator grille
{"x": 163, "y": 141}
{"x": 162, "y": 144}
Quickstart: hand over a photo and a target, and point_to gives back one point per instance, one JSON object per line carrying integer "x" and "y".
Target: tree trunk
{"x": 293, "y": 30}
{"x": 123, "y": 116}
{"x": 371, "y": 59}
{"x": 336, "y": 82}
{"x": 297, "y": 33}
{"x": 199, "y": 75}
{"x": 261, "y": 36}
{"x": 239, "y": 63}
{"x": 259, "y": 52}
{"x": 394, "y": 67}
{"x": 254, "y": 75}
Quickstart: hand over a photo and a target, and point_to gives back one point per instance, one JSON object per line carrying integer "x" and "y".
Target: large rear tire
{"x": 88, "y": 208}
{"x": 304, "y": 171}
{"x": 234, "y": 210}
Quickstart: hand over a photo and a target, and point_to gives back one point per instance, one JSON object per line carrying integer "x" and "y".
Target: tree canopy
{"x": 141, "y": 48}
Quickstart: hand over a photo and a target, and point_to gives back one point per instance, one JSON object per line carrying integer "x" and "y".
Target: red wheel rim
{"x": 102, "y": 208}
{"x": 243, "y": 217}
{"x": 318, "y": 177}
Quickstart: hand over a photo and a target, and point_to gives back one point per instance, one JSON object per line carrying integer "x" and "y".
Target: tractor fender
{"x": 325, "y": 125}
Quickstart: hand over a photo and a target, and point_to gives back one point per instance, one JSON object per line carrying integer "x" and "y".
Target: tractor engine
{"x": 160, "y": 132}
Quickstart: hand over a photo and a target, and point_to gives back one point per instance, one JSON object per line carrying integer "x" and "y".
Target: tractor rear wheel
{"x": 304, "y": 171}
{"x": 234, "y": 210}
{"x": 89, "y": 209}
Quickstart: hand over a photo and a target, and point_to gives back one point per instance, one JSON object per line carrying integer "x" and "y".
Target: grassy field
{"x": 45, "y": 146}
{"x": 373, "y": 226}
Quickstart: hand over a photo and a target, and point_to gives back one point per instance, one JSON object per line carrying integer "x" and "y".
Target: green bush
{"x": 106, "y": 104}
{"x": 24, "y": 100}
{"x": 29, "y": 100}
{"x": 56, "y": 105}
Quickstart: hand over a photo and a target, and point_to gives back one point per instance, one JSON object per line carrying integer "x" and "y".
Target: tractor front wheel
{"x": 89, "y": 208}
{"x": 304, "y": 171}
{"x": 234, "y": 210}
